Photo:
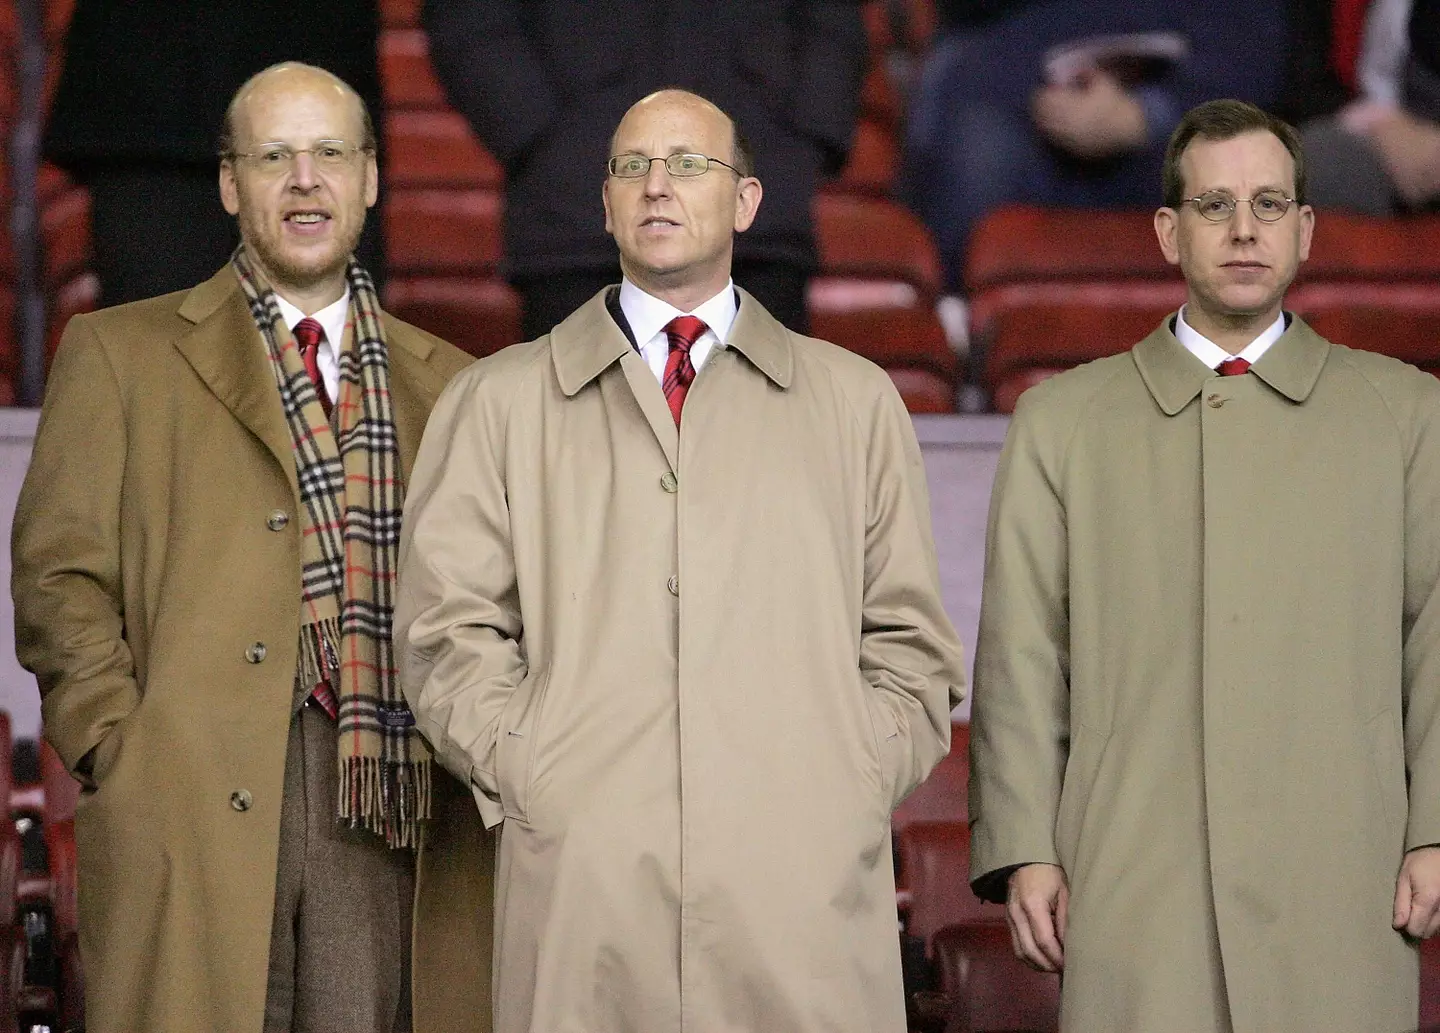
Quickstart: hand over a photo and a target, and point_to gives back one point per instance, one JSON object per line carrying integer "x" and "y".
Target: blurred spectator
{"x": 137, "y": 115}
{"x": 1363, "y": 84}
{"x": 1001, "y": 116}
{"x": 544, "y": 83}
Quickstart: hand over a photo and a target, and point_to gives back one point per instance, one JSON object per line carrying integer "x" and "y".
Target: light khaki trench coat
{"x": 144, "y": 566}
{"x": 692, "y": 673}
{"x": 1208, "y": 665}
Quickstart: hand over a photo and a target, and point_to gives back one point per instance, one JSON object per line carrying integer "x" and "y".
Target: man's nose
{"x": 1242, "y": 222}
{"x": 302, "y": 171}
{"x": 657, "y": 180}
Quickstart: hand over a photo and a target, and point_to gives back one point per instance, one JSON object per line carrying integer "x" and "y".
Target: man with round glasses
{"x": 669, "y": 602}
{"x": 1205, "y": 742}
{"x": 203, "y": 562}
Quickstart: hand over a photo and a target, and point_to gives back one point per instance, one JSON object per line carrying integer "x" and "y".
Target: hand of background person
{"x": 1093, "y": 117}
{"x": 1410, "y": 147}
{"x": 1417, "y": 893}
{"x": 1035, "y": 910}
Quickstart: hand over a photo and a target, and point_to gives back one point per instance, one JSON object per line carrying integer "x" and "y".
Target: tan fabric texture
{"x": 1208, "y": 665}
{"x": 689, "y": 671}
{"x": 146, "y": 577}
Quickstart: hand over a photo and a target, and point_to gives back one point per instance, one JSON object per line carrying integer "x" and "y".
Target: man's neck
{"x": 1230, "y": 332}
{"x": 684, "y": 296}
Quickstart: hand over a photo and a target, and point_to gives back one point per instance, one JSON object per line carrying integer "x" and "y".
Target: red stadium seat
{"x": 872, "y": 238}
{"x": 478, "y": 315}
{"x": 1357, "y": 247}
{"x": 934, "y": 866}
{"x": 989, "y": 989}
{"x": 437, "y": 149}
{"x": 400, "y": 14}
{"x": 60, "y": 842}
{"x": 1022, "y": 243}
{"x": 879, "y": 100}
{"x": 1100, "y": 320}
{"x": 451, "y": 232}
{"x": 922, "y": 390}
{"x": 1395, "y": 319}
{"x": 81, "y": 294}
{"x": 890, "y": 337}
{"x": 873, "y": 162}
{"x": 406, "y": 75}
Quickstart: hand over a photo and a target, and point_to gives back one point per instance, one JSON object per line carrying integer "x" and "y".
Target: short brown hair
{"x": 1225, "y": 120}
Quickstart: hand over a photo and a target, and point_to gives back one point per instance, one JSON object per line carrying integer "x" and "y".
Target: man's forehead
{"x": 1209, "y": 164}
{"x": 315, "y": 100}
{"x": 682, "y": 123}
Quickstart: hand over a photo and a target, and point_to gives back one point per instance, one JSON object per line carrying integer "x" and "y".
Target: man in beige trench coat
{"x": 1205, "y": 744}
{"x": 202, "y": 582}
{"x": 687, "y": 644}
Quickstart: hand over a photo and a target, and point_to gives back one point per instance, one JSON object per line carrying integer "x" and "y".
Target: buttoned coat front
{"x": 156, "y": 579}
{"x": 689, "y": 673}
{"x": 1208, "y": 682}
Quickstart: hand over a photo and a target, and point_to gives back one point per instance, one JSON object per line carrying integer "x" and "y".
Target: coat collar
{"x": 225, "y": 349}
{"x": 589, "y": 341}
{"x": 1175, "y": 376}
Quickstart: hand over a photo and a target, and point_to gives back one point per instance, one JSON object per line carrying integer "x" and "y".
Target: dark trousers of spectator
{"x": 779, "y": 286}
{"x": 159, "y": 228}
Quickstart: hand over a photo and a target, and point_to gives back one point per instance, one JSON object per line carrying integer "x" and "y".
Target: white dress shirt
{"x": 332, "y": 319}
{"x": 648, "y": 315}
{"x": 1210, "y": 353}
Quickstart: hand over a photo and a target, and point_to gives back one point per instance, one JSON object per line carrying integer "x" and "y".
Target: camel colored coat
{"x": 1208, "y": 682}
{"x": 156, "y": 539}
{"x": 690, "y": 674}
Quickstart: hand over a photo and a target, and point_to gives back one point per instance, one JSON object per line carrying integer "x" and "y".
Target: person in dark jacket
{"x": 544, "y": 83}
{"x": 999, "y": 117}
{"x": 144, "y": 86}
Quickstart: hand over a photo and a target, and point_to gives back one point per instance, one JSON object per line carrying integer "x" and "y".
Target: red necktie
{"x": 683, "y": 332}
{"x": 308, "y": 335}
{"x": 1233, "y": 367}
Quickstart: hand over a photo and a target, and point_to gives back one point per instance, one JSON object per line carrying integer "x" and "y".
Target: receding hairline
{"x": 675, "y": 93}
{"x": 228, "y": 130}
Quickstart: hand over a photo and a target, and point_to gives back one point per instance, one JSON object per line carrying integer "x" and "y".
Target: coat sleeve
{"x": 909, "y": 653}
{"x": 492, "y": 72}
{"x": 65, "y": 554}
{"x": 457, "y": 610}
{"x": 1019, "y": 717}
{"x": 829, "y": 68}
{"x": 1421, "y": 655}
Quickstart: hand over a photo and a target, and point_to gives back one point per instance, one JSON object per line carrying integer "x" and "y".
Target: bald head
{"x": 683, "y": 101}
{"x": 288, "y": 77}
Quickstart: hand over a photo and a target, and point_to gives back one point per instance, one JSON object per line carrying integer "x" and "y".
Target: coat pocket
{"x": 515, "y": 749}
{"x": 885, "y": 741}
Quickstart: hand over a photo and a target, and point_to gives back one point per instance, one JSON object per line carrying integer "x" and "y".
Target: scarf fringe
{"x": 388, "y": 798}
{"x": 319, "y": 651}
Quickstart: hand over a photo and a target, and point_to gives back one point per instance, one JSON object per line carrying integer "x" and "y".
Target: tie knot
{"x": 684, "y": 331}
{"x": 309, "y": 333}
{"x": 1233, "y": 367}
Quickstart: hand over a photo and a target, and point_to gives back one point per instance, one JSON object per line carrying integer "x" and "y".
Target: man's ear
{"x": 1167, "y": 226}
{"x": 747, "y": 202}
{"x": 229, "y": 192}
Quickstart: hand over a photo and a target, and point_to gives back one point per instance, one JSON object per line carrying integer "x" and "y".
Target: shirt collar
{"x": 332, "y": 317}
{"x": 647, "y": 314}
{"x": 1211, "y": 354}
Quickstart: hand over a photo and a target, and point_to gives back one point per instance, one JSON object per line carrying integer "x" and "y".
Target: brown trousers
{"x": 340, "y": 945}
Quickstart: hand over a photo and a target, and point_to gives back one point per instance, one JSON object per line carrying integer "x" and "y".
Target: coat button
{"x": 1215, "y": 401}
{"x": 670, "y": 483}
{"x": 241, "y": 800}
{"x": 278, "y": 520}
{"x": 255, "y": 652}
{"x": 673, "y": 584}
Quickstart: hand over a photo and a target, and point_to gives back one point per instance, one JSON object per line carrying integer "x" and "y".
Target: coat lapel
{"x": 589, "y": 342}
{"x": 227, "y": 352}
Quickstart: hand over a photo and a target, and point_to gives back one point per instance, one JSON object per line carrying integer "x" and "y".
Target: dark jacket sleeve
{"x": 829, "y": 70}
{"x": 491, "y": 71}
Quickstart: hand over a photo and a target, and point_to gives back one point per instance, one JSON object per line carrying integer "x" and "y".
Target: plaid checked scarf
{"x": 351, "y": 493}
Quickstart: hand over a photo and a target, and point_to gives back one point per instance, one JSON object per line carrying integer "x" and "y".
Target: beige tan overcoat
{"x": 1208, "y": 667}
{"x": 155, "y": 540}
{"x": 689, "y": 673}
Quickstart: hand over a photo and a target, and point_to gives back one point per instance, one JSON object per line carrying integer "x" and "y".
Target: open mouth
{"x": 307, "y": 219}
{"x": 658, "y": 221}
